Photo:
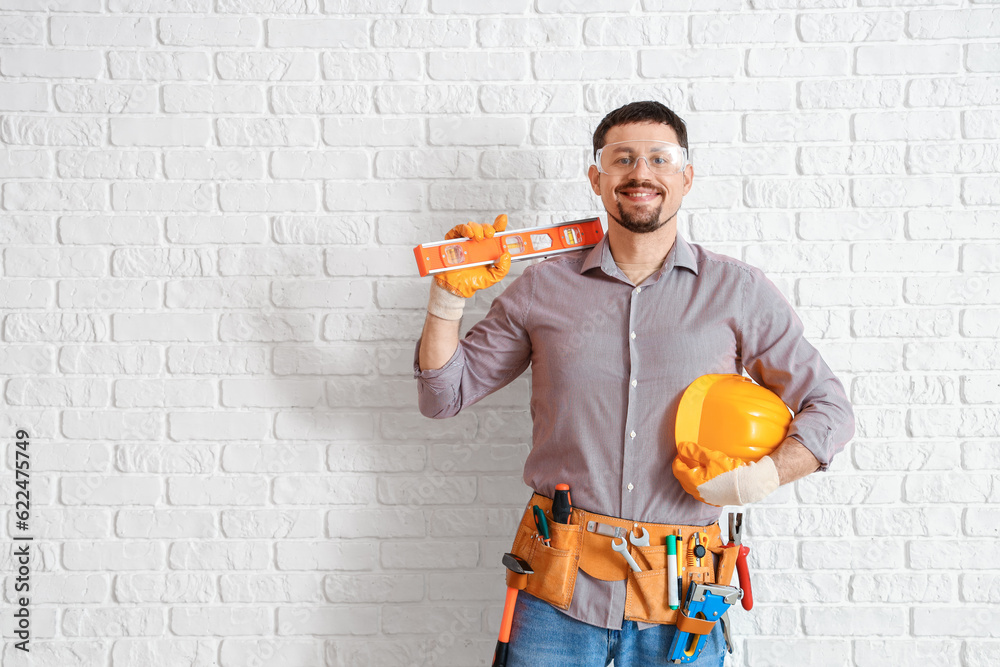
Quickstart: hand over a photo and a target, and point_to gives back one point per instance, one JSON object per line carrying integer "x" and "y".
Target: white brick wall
{"x": 209, "y": 305}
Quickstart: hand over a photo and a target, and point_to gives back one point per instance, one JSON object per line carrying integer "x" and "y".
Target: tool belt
{"x": 574, "y": 547}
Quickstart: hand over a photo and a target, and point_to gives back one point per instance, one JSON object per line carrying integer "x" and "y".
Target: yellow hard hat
{"x": 732, "y": 415}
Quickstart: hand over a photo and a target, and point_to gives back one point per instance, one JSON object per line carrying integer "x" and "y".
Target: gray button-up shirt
{"x": 609, "y": 363}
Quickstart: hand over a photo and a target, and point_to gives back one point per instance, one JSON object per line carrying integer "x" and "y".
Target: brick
{"x": 53, "y": 392}
{"x": 908, "y": 59}
{"x": 851, "y": 27}
{"x": 529, "y": 98}
{"x": 537, "y": 31}
{"x": 267, "y": 327}
{"x": 902, "y": 323}
{"x": 113, "y": 556}
{"x": 903, "y": 389}
{"x": 466, "y": 66}
{"x": 209, "y": 31}
{"x": 164, "y": 524}
{"x": 967, "y": 554}
{"x": 981, "y": 388}
{"x": 422, "y": 33}
{"x": 942, "y": 621}
{"x": 739, "y": 28}
{"x": 113, "y": 622}
{"x": 851, "y": 490}
{"x": 980, "y": 588}
{"x": 855, "y": 225}
{"x": 270, "y": 458}
{"x": 970, "y": 422}
{"x": 434, "y": 98}
{"x": 895, "y": 192}
{"x": 981, "y": 323}
{"x": 634, "y": 31}
{"x": 929, "y": 522}
{"x": 335, "y": 489}
{"x": 216, "y": 491}
{"x": 260, "y": 524}
{"x": 269, "y": 652}
{"x": 853, "y": 558}
{"x": 798, "y": 62}
{"x": 848, "y": 160}
{"x": 938, "y": 653}
{"x": 850, "y": 94}
{"x": 214, "y": 556}
{"x": 965, "y": 290}
{"x": 353, "y": 556}
{"x": 430, "y": 489}
{"x": 221, "y": 621}
{"x": 744, "y": 96}
{"x": 965, "y": 24}
{"x": 158, "y": 65}
{"x": 972, "y": 355}
{"x": 978, "y": 57}
{"x": 908, "y": 126}
{"x": 175, "y": 458}
{"x": 980, "y": 124}
{"x": 112, "y": 359}
{"x": 367, "y": 588}
{"x": 271, "y": 588}
{"x": 94, "y": 31}
{"x": 303, "y": 620}
{"x": 795, "y": 193}
{"x": 181, "y": 652}
{"x": 72, "y": 522}
{"x": 981, "y": 522}
{"x": 916, "y": 588}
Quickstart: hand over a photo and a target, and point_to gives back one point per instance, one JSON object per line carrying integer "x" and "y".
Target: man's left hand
{"x": 747, "y": 484}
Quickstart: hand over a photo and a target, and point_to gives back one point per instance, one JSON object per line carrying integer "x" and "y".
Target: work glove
{"x": 717, "y": 479}
{"x": 451, "y": 288}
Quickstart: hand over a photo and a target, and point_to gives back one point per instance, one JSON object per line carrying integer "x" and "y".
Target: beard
{"x": 647, "y": 219}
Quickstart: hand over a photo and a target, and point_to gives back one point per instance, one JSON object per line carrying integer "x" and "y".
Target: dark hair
{"x": 640, "y": 112}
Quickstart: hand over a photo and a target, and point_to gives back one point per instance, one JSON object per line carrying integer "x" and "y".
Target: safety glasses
{"x": 621, "y": 157}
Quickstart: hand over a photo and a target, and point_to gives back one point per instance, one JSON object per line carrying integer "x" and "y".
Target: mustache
{"x": 637, "y": 184}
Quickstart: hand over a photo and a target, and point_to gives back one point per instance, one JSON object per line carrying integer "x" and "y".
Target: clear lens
{"x": 621, "y": 158}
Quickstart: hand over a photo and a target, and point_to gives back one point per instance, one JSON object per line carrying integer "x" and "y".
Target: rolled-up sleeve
{"x": 494, "y": 352}
{"x": 777, "y": 355}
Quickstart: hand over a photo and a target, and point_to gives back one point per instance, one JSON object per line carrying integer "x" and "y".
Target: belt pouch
{"x": 555, "y": 566}
{"x": 646, "y": 595}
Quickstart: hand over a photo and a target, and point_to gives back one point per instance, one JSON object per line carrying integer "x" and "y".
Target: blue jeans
{"x": 543, "y": 636}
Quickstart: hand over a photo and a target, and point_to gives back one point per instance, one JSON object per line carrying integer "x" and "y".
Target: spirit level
{"x": 528, "y": 243}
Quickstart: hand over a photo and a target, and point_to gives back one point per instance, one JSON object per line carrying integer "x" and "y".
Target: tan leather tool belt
{"x": 586, "y": 544}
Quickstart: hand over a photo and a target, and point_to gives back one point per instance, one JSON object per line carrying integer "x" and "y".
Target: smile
{"x": 639, "y": 196}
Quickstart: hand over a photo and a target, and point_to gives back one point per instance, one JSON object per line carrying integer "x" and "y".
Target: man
{"x": 614, "y": 335}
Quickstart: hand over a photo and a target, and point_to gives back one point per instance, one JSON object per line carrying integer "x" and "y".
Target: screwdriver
{"x": 562, "y": 505}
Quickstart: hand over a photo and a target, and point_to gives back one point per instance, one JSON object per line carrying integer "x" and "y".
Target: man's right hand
{"x": 465, "y": 282}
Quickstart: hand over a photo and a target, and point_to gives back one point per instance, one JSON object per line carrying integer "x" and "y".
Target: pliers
{"x": 736, "y": 542}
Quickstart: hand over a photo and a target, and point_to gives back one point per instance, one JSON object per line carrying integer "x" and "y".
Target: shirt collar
{"x": 681, "y": 254}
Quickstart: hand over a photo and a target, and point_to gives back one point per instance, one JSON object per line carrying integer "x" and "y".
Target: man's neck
{"x": 631, "y": 248}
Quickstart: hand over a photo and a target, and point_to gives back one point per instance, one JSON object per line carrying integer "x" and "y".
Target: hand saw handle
{"x": 744, "y": 573}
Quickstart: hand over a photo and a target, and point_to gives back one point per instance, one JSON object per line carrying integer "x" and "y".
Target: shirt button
{"x": 632, "y": 434}
{"x": 638, "y": 289}
{"x": 630, "y": 487}
{"x": 632, "y": 334}
{"x": 633, "y": 383}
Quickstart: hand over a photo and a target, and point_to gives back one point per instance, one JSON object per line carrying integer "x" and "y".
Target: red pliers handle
{"x": 744, "y": 574}
{"x": 736, "y": 542}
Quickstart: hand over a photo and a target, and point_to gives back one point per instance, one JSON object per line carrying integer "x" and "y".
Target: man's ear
{"x": 594, "y": 177}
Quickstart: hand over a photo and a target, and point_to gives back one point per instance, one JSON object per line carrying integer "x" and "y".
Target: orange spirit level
{"x": 527, "y": 243}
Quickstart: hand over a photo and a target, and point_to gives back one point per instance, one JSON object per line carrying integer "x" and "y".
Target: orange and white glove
{"x": 718, "y": 479}
{"x": 451, "y": 289}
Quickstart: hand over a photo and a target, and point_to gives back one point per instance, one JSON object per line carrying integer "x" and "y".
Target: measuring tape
{"x": 527, "y": 243}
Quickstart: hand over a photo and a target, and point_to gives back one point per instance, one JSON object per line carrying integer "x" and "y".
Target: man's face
{"x": 641, "y": 201}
